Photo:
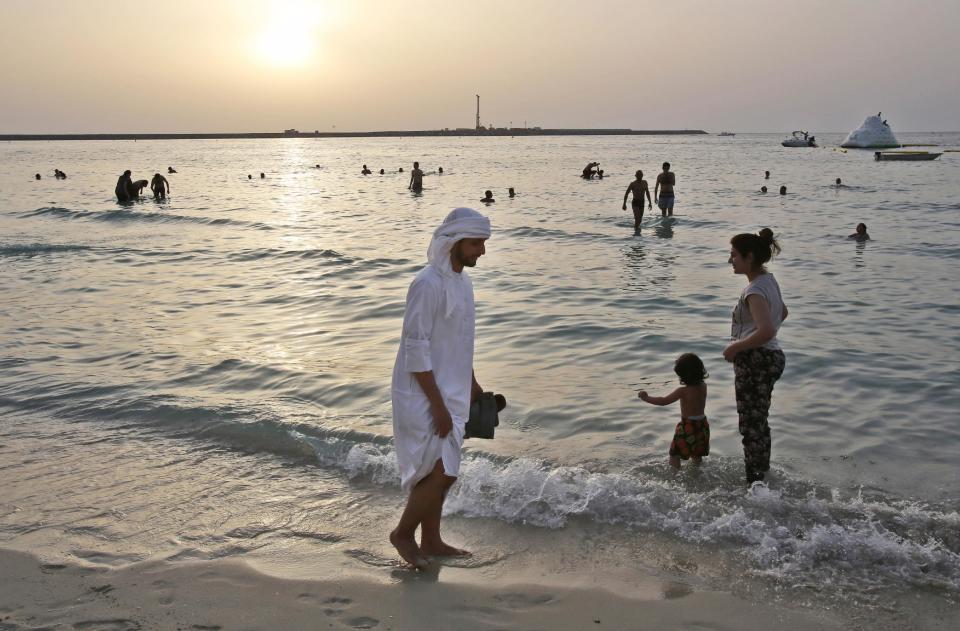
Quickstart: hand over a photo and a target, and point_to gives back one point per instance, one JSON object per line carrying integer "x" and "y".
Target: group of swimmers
{"x": 861, "y": 229}
{"x": 57, "y": 173}
{"x": 416, "y": 180}
{"x": 783, "y": 188}
{"x": 127, "y": 190}
{"x": 416, "y": 165}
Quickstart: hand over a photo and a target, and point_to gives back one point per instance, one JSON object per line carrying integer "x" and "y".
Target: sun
{"x": 285, "y": 45}
{"x": 289, "y": 38}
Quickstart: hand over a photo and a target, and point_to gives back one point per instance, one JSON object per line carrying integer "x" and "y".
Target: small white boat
{"x": 726, "y": 133}
{"x": 800, "y": 138}
{"x": 905, "y": 155}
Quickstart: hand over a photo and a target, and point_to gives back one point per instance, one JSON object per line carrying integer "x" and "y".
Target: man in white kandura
{"x": 433, "y": 382}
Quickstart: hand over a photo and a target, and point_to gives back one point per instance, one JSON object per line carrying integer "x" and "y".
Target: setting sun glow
{"x": 289, "y": 37}
{"x": 285, "y": 47}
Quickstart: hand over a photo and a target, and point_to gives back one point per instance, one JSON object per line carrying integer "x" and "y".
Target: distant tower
{"x": 478, "y": 112}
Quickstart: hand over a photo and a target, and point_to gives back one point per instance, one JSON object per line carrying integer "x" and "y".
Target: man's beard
{"x": 466, "y": 262}
{"x": 458, "y": 256}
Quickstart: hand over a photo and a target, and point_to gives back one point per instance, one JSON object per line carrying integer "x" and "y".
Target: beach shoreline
{"x": 231, "y": 594}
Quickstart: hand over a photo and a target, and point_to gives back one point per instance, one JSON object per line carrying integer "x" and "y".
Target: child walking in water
{"x": 691, "y": 440}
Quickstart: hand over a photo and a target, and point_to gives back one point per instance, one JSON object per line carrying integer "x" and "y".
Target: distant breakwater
{"x": 362, "y": 134}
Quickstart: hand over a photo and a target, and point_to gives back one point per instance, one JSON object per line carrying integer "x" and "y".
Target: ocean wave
{"x": 33, "y": 249}
{"x": 795, "y": 530}
{"x": 257, "y": 254}
{"x": 801, "y": 533}
{"x": 131, "y": 214}
{"x": 555, "y": 234}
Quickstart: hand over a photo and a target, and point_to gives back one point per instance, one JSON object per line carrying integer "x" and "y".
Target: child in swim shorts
{"x": 691, "y": 439}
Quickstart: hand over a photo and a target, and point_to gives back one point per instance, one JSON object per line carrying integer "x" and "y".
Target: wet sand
{"x": 232, "y": 595}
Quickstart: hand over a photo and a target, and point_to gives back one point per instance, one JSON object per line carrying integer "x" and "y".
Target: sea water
{"x": 208, "y": 376}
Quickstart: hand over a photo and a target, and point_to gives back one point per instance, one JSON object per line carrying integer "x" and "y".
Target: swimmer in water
{"x": 860, "y": 234}
{"x": 488, "y": 197}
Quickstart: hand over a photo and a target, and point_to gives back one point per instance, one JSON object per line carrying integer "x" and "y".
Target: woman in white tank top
{"x": 758, "y": 360}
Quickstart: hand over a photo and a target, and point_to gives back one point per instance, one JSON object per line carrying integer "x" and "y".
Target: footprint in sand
{"x": 340, "y": 600}
{"x": 164, "y": 597}
{"x": 362, "y": 622}
{"x": 50, "y": 568}
{"x": 331, "y": 609}
{"x": 102, "y": 589}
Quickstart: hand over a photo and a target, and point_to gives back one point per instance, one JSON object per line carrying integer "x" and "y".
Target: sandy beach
{"x": 233, "y": 595}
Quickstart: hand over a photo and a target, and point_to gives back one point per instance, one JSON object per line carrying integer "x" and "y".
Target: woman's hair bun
{"x": 767, "y": 235}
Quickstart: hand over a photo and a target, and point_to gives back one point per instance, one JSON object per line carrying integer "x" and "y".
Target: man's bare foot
{"x": 443, "y": 550}
{"x": 408, "y": 550}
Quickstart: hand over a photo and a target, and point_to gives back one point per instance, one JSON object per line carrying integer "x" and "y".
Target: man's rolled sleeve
{"x": 416, "y": 355}
{"x": 422, "y": 302}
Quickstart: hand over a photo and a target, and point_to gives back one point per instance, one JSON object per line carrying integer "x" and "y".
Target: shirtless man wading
{"x": 638, "y": 187}
{"x": 663, "y": 191}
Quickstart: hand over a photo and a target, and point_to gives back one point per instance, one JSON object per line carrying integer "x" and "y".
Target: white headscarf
{"x": 461, "y": 223}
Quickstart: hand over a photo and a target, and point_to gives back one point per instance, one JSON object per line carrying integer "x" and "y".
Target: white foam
{"x": 811, "y": 536}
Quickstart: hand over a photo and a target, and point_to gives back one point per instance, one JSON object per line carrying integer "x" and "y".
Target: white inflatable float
{"x": 873, "y": 134}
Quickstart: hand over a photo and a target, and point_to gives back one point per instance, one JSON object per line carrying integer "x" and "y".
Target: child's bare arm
{"x": 667, "y": 400}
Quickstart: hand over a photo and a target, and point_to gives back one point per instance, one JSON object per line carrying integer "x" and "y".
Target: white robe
{"x": 432, "y": 340}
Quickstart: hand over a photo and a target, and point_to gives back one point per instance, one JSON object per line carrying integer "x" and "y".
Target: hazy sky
{"x": 75, "y": 66}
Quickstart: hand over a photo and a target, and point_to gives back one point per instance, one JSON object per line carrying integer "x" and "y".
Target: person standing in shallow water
{"x": 434, "y": 383}
{"x": 416, "y": 178}
{"x": 124, "y": 188}
{"x": 663, "y": 190}
{"x": 757, "y": 358}
{"x": 160, "y": 186}
{"x": 638, "y": 187}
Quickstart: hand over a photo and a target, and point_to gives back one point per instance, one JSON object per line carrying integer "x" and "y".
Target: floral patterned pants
{"x": 755, "y": 372}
